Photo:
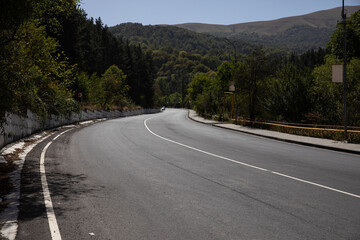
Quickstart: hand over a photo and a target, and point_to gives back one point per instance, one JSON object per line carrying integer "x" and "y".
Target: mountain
{"x": 297, "y": 33}
{"x": 178, "y": 54}
{"x": 165, "y": 36}
{"x": 320, "y": 19}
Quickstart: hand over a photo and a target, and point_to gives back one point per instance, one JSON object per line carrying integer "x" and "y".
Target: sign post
{"x": 80, "y": 95}
{"x": 343, "y": 15}
{"x": 232, "y": 92}
{"x": 339, "y": 71}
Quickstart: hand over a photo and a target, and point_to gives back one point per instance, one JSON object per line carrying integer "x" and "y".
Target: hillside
{"x": 178, "y": 54}
{"x": 320, "y": 19}
{"x": 165, "y": 36}
{"x": 297, "y": 33}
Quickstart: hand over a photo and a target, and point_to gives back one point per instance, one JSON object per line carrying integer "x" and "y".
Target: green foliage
{"x": 13, "y": 14}
{"x": 113, "y": 86}
{"x": 200, "y": 93}
{"x": 50, "y": 52}
{"x": 91, "y": 46}
{"x": 162, "y": 37}
{"x": 199, "y": 84}
{"x": 52, "y": 13}
{"x": 352, "y": 38}
{"x": 173, "y": 100}
{"x": 288, "y": 93}
{"x": 252, "y": 74}
{"x": 294, "y": 90}
{"x": 225, "y": 73}
{"x": 328, "y": 96}
{"x": 105, "y": 92}
{"x": 176, "y": 68}
{"x": 297, "y": 39}
{"x": 34, "y": 76}
{"x": 95, "y": 89}
{"x": 208, "y": 94}
{"x": 178, "y": 54}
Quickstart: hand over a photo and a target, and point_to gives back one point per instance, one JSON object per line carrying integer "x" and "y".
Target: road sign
{"x": 232, "y": 87}
{"x": 337, "y": 73}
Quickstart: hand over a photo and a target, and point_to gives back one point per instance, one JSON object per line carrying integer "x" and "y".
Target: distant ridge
{"x": 320, "y": 19}
{"x": 297, "y": 34}
{"x": 290, "y": 34}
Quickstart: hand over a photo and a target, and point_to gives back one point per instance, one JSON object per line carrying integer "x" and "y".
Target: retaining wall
{"x": 17, "y": 127}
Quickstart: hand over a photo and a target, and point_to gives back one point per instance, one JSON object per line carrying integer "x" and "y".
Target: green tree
{"x": 173, "y": 100}
{"x": 328, "y": 96}
{"x": 114, "y": 89}
{"x": 252, "y": 73}
{"x": 13, "y": 14}
{"x": 201, "y": 93}
{"x": 34, "y": 76}
{"x": 289, "y": 93}
{"x": 352, "y": 38}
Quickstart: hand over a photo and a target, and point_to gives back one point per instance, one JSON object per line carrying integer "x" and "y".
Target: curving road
{"x": 164, "y": 176}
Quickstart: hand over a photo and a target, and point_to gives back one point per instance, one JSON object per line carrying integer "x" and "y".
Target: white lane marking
{"x": 54, "y": 228}
{"x": 316, "y": 184}
{"x": 249, "y": 165}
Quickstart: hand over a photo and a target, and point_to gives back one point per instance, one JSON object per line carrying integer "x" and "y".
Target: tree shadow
{"x": 63, "y": 188}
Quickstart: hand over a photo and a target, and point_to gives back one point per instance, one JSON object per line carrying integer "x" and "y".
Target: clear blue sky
{"x": 154, "y": 12}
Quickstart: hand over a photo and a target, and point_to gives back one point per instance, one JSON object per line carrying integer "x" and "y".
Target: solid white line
{"x": 249, "y": 165}
{"x": 54, "y": 228}
{"x": 316, "y": 184}
{"x": 10, "y": 213}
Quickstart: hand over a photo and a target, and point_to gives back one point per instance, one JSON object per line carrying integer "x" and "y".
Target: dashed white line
{"x": 249, "y": 165}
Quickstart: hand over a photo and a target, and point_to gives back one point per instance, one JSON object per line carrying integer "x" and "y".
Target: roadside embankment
{"x": 17, "y": 127}
{"x": 292, "y": 138}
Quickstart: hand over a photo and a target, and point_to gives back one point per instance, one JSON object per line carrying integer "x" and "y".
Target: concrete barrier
{"x": 17, "y": 127}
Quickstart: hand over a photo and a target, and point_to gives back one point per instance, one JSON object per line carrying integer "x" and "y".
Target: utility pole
{"x": 343, "y": 15}
{"x": 234, "y": 96}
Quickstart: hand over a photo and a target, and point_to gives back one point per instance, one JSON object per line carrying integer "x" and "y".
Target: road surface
{"x": 163, "y": 176}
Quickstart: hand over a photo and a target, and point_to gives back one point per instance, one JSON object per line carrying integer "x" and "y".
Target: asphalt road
{"x": 164, "y": 176}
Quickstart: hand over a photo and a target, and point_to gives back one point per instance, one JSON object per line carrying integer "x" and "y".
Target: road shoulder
{"x": 303, "y": 140}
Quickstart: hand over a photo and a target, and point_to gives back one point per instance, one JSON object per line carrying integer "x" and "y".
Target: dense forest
{"x": 54, "y": 60}
{"x": 165, "y": 36}
{"x": 178, "y": 54}
{"x": 297, "y": 39}
{"x": 194, "y": 70}
{"x": 297, "y": 88}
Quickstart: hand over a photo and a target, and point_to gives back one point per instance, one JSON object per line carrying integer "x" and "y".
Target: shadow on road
{"x": 63, "y": 188}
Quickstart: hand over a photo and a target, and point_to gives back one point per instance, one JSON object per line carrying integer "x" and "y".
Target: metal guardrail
{"x": 296, "y": 126}
{"x": 302, "y": 128}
